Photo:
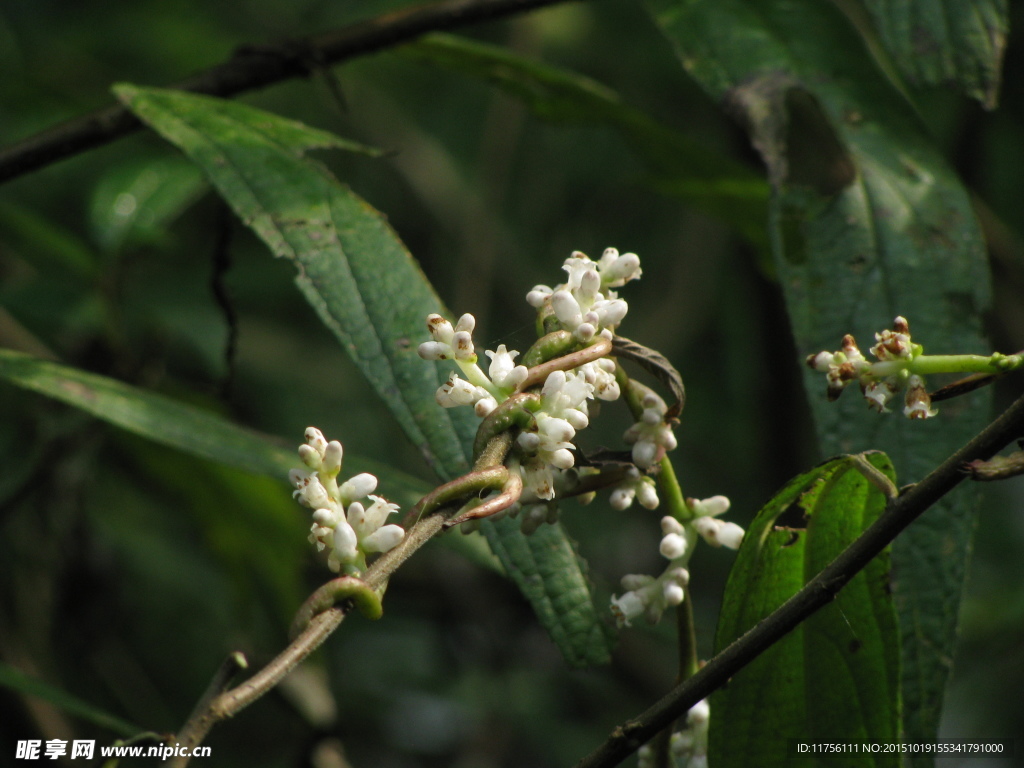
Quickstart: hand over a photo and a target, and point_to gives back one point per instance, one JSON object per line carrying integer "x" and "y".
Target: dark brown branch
{"x": 821, "y": 590}
{"x": 251, "y": 68}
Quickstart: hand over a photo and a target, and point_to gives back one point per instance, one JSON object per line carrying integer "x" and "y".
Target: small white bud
{"x": 331, "y": 464}
{"x": 670, "y": 525}
{"x": 440, "y": 328}
{"x": 672, "y": 546}
{"x": 730, "y": 535}
{"x": 358, "y": 487}
{"x": 315, "y": 439}
{"x": 309, "y": 456}
{"x": 563, "y": 458}
{"x": 711, "y": 506}
{"x": 566, "y": 308}
{"x": 484, "y": 406}
{"x": 647, "y": 495}
{"x": 585, "y": 332}
{"x": 467, "y": 324}
{"x": 345, "y": 542}
{"x": 538, "y": 296}
{"x": 622, "y": 498}
{"x": 434, "y": 350}
{"x": 462, "y": 343}
{"x": 529, "y": 441}
{"x": 673, "y": 593}
{"x": 384, "y": 538}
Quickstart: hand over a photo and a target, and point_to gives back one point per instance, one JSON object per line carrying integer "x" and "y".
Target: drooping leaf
{"x": 367, "y": 289}
{"x": 187, "y": 428}
{"x": 836, "y": 676}
{"x": 946, "y": 42}
{"x": 868, "y": 222}
{"x": 678, "y": 165}
{"x": 14, "y": 679}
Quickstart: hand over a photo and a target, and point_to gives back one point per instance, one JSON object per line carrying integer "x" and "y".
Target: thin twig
{"x": 253, "y": 67}
{"x": 821, "y": 590}
{"x": 320, "y": 627}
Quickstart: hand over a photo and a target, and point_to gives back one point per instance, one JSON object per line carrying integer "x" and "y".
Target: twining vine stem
{"x": 822, "y": 589}
{"x": 253, "y": 67}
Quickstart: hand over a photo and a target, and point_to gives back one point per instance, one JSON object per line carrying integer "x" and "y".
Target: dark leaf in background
{"x": 868, "y": 222}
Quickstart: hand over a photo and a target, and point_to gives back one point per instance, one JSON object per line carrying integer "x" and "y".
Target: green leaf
{"x": 187, "y": 428}
{"x": 946, "y": 42}
{"x": 868, "y": 222}
{"x": 367, "y": 289}
{"x": 16, "y": 680}
{"x": 836, "y": 676}
{"x": 679, "y": 165}
{"x": 553, "y": 578}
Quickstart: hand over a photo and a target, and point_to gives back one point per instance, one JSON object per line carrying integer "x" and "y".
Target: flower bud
{"x": 566, "y": 308}
{"x": 331, "y": 464}
{"x": 315, "y": 439}
{"x": 672, "y": 546}
{"x": 673, "y": 593}
{"x": 358, "y": 487}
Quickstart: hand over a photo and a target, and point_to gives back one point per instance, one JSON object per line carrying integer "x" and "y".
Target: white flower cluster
{"x": 456, "y": 343}
{"x": 879, "y": 381}
{"x": 651, "y": 436}
{"x": 687, "y": 747}
{"x": 649, "y": 596}
{"x": 584, "y": 305}
{"x": 340, "y": 521}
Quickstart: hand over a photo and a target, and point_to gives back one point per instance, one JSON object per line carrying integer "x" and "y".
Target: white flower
{"x": 579, "y": 304}
{"x": 879, "y": 393}
{"x": 600, "y": 374}
{"x": 651, "y": 436}
{"x": 456, "y": 392}
{"x": 918, "y": 401}
{"x": 503, "y": 370}
{"x": 673, "y": 543}
{"x": 648, "y": 596}
{"x": 618, "y": 270}
{"x": 341, "y": 522}
{"x": 719, "y": 533}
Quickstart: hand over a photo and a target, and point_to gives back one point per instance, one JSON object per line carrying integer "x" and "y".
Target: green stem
{"x": 476, "y": 377}
{"x": 925, "y": 365}
{"x": 547, "y": 347}
{"x": 517, "y": 411}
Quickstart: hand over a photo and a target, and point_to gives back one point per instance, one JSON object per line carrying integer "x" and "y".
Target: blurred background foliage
{"x": 128, "y": 571}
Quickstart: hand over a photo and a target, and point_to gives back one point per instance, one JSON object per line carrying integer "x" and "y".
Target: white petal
{"x": 345, "y": 542}
{"x": 384, "y": 539}
{"x": 672, "y": 546}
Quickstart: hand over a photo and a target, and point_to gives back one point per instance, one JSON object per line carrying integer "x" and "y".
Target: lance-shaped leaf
{"x": 187, "y": 428}
{"x": 836, "y": 676}
{"x": 946, "y": 42}
{"x": 367, "y": 289}
{"x": 868, "y": 222}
